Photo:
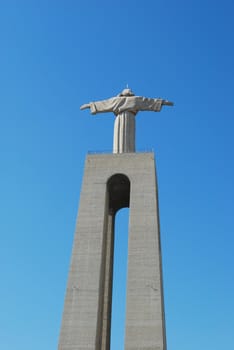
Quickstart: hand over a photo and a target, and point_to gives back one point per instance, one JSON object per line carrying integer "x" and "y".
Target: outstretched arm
{"x": 149, "y": 104}
{"x": 102, "y": 106}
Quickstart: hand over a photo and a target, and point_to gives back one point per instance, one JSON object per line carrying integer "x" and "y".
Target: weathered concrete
{"x": 86, "y": 317}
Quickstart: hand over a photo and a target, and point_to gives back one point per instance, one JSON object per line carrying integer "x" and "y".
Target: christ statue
{"x": 125, "y": 107}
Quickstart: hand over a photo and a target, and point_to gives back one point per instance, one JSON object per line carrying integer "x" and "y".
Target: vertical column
{"x": 145, "y": 327}
{"x": 107, "y": 297}
{"x": 86, "y": 301}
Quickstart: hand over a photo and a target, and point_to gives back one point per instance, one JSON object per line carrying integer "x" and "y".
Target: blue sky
{"x": 57, "y": 55}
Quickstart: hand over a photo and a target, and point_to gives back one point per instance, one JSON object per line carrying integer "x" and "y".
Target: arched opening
{"x": 119, "y": 192}
{"x": 116, "y": 252}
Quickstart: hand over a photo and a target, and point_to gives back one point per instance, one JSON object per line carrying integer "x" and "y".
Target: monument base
{"x": 113, "y": 181}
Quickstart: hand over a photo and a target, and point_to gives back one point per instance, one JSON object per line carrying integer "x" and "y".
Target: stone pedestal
{"x": 111, "y": 182}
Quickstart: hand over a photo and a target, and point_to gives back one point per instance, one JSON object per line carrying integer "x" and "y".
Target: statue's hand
{"x": 167, "y": 103}
{"x": 86, "y": 105}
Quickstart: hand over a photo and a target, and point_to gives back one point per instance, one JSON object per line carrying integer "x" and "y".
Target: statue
{"x": 125, "y": 107}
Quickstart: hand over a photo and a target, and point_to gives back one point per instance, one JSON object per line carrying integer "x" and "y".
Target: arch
{"x": 118, "y": 197}
{"x": 118, "y": 186}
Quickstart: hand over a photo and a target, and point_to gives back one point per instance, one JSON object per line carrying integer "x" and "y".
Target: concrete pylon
{"x": 112, "y": 182}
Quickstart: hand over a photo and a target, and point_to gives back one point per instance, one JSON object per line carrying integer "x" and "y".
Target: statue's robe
{"x": 125, "y": 108}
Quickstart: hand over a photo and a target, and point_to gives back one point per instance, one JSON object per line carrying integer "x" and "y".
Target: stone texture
{"x": 86, "y": 317}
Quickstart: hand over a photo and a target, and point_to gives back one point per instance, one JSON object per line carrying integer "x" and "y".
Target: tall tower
{"x": 112, "y": 182}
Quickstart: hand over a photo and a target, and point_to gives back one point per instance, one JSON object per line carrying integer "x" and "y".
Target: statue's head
{"x": 126, "y": 92}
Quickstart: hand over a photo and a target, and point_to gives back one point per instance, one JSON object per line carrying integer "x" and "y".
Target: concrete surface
{"x": 113, "y": 181}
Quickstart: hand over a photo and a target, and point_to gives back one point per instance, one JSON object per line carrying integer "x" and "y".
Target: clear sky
{"x": 57, "y": 55}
